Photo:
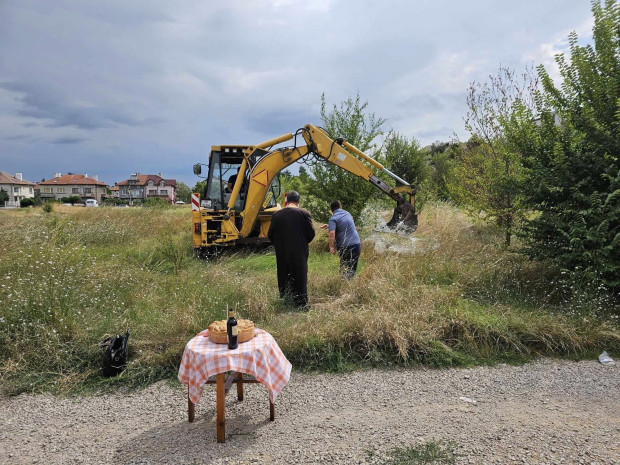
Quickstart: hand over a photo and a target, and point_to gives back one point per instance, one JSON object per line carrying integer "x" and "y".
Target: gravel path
{"x": 551, "y": 412}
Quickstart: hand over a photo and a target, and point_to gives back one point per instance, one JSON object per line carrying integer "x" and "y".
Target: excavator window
{"x": 222, "y": 169}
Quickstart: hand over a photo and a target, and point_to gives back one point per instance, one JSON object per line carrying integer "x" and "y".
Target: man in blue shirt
{"x": 343, "y": 238}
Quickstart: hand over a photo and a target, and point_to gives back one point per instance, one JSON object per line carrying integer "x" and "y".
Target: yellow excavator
{"x": 243, "y": 185}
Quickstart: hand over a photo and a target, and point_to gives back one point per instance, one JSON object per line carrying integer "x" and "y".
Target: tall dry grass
{"x": 448, "y": 296}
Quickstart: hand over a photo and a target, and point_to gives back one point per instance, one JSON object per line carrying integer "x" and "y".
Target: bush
{"x": 156, "y": 202}
{"x": 29, "y": 202}
{"x": 112, "y": 201}
{"x": 48, "y": 207}
{"x": 72, "y": 200}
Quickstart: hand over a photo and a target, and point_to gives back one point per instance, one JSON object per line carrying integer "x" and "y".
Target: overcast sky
{"x": 115, "y": 87}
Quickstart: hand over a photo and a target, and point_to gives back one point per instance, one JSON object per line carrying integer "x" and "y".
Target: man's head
{"x": 293, "y": 197}
{"x": 335, "y": 205}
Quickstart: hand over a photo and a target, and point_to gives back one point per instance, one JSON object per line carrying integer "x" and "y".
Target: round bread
{"x": 217, "y": 331}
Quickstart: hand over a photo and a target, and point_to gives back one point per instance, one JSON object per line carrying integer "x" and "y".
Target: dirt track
{"x": 548, "y": 412}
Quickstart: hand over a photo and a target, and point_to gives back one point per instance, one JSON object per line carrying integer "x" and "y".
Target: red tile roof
{"x": 72, "y": 179}
{"x": 143, "y": 180}
{"x": 6, "y": 178}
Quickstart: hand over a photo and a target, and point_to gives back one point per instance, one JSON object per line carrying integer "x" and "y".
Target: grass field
{"x": 448, "y": 296}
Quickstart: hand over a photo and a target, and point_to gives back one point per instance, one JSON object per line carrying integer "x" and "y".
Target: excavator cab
{"x": 218, "y": 222}
{"x": 223, "y": 167}
{"x": 224, "y": 164}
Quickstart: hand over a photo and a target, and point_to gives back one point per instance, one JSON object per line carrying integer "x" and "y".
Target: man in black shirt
{"x": 291, "y": 231}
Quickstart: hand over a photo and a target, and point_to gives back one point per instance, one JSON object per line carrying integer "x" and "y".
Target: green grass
{"x": 70, "y": 277}
{"x": 430, "y": 453}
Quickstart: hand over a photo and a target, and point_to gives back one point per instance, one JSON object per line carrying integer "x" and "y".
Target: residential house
{"x": 70, "y": 185}
{"x": 140, "y": 187}
{"x": 16, "y": 188}
{"x": 114, "y": 191}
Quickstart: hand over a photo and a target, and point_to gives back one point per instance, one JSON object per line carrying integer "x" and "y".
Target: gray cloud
{"x": 278, "y": 121}
{"x": 68, "y": 140}
{"x": 148, "y": 85}
{"x": 43, "y": 103}
{"x": 17, "y": 137}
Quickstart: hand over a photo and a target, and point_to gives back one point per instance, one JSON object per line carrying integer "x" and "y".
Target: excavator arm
{"x": 336, "y": 151}
{"x": 348, "y": 157}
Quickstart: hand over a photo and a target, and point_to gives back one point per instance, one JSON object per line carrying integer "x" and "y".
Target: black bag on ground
{"x": 114, "y": 354}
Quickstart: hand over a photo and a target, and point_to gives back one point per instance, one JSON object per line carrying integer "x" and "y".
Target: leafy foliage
{"x": 199, "y": 187}
{"x": 441, "y": 163}
{"x": 156, "y": 202}
{"x": 330, "y": 182}
{"x": 72, "y": 199}
{"x": 573, "y": 167}
{"x": 183, "y": 192}
{"x": 405, "y": 158}
{"x": 488, "y": 175}
{"x": 29, "y": 202}
{"x": 4, "y": 196}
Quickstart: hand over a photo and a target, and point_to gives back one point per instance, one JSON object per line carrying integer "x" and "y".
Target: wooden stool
{"x": 222, "y": 388}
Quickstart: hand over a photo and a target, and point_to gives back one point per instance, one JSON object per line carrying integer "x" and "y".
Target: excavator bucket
{"x": 404, "y": 217}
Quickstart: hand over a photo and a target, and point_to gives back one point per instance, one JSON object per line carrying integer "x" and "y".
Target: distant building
{"x": 16, "y": 188}
{"x": 140, "y": 187}
{"x": 70, "y": 185}
{"x": 114, "y": 191}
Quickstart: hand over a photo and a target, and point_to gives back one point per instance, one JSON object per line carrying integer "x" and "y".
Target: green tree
{"x": 573, "y": 162}
{"x": 4, "y": 196}
{"x": 490, "y": 168}
{"x": 441, "y": 161}
{"x": 328, "y": 182}
{"x": 183, "y": 192}
{"x": 200, "y": 187}
{"x": 405, "y": 158}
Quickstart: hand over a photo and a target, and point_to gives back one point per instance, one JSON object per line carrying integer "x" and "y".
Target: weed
{"x": 431, "y": 453}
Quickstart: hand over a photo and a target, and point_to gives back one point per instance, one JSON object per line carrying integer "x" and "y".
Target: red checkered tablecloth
{"x": 260, "y": 357}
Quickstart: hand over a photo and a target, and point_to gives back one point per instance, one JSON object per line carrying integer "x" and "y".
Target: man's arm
{"x": 332, "y": 234}
{"x": 271, "y": 227}
{"x": 310, "y": 229}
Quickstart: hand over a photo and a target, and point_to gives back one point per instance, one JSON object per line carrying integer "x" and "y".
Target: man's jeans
{"x": 348, "y": 260}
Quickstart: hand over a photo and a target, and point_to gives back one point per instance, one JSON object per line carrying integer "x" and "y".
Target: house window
{"x": 60, "y": 190}
{"x": 162, "y": 184}
{"x": 151, "y": 183}
{"x": 125, "y": 192}
{"x": 31, "y": 190}
{"x": 152, "y": 191}
{"x": 87, "y": 190}
{"x": 75, "y": 190}
{"x": 47, "y": 190}
{"x": 163, "y": 192}
{"x": 16, "y": 190}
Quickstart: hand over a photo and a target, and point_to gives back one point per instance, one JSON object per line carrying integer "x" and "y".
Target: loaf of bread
{"x": 217, "y": 331}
